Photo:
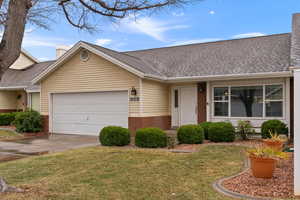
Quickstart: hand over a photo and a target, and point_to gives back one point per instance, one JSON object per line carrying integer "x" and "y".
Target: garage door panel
{"x": 88, "y": 113}
{"x": 102, "y": 107}
{"x": 86, "y": 118}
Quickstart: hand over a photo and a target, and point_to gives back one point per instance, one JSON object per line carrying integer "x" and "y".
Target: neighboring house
{"x": 90, "y": 87}
{"x": 15, "y": 85}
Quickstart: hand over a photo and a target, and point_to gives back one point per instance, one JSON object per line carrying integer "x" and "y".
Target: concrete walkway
{"x": 54, "y": 143}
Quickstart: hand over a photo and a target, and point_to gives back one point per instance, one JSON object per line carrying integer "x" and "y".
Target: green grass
{"x": 9, "y": 135}
{"x": 118, "y": 173}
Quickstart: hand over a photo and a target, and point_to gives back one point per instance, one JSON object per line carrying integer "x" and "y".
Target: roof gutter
{"x": 13, "y": 88}
{"x": 221, "y": 77}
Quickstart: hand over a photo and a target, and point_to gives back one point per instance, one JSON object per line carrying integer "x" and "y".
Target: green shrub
{"x": 6, "y": 119}
{"x": 28, "y": 121}
{"x": 150, "y": 138}
{"x": 221, "y": 132}
{"x": 205, "y": 126}
{"x": 275, "y": 126}
{"x": 114, "y": 136}
{"x": 190, "y": 134}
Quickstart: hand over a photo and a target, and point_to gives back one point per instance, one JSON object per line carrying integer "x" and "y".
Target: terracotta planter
{"x": 262, "y": 167}
{"x": 277, "y": 145}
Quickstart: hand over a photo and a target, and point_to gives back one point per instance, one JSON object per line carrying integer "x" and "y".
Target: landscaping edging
{"x": 219, "y": 188}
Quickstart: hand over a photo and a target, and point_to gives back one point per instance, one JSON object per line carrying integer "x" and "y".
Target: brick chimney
{"x": 295, "y": 41}
{"x": 61, "y": 50}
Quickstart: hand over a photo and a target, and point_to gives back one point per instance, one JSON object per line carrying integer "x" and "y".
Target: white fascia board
{"x": 33, "y": 91}
{"x": 230, "y": 77}
{"x": 74, "y": 50}
{"x": 13, "y": 88}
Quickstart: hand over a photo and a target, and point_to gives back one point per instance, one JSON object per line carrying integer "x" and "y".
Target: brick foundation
{"x": 7, "y": 110}
{"x": 163, "y": 122}
{"x": 45, "y": 122}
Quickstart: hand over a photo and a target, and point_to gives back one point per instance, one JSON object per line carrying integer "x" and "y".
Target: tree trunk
{"x": 10, "y": 46}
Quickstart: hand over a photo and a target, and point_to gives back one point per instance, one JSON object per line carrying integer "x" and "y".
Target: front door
{"x": 184, "y": 105}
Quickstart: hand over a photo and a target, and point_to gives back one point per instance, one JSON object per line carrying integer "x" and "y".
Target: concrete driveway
{"x": 54, "y": 143}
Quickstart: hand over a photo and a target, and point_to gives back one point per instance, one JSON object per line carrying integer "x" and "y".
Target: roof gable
{"x": 110, "y": 55}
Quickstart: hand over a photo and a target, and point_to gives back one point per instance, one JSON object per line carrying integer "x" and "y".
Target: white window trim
{"x": 264, "y": 117}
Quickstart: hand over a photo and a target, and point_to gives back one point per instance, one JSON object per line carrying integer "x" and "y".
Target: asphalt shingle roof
{"x": 16, "y": 78}
{"x": 249, "y": 55}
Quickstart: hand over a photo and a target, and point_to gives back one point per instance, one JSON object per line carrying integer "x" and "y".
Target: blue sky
{"x": 200, "y": 21}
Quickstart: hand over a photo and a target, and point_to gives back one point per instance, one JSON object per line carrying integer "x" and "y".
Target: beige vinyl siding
{"x": 155, "y": 98}
{"x": 8, "y": 100}
{"x": 96, "y": 74}
{"x": 22, "y": 62}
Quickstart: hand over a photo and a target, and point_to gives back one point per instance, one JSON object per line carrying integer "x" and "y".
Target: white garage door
{"x": 88, "y": 113}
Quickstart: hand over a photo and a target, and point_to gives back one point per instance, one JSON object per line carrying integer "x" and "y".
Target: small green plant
{"x": 150, "y": 138}
{"x": 6, "y": 119}
{"x": 221, "y": 132}
{"x": 244, "y": 129}
{"x": 266, "y": 152}
{"x": 190, "y": 134}
{"x": 114, "y": 136}
{"x": 205, "y": 126}
{"x": 28, "y": 122}
{"x": 275, "y": 126}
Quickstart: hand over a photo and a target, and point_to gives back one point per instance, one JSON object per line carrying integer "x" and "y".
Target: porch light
{"x": 133, "y": 91}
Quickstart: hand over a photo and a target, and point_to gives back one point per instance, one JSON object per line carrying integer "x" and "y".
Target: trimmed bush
{"x": 114, "y": 136}
{"x": 150, "y": 138}
{"x": 6, "y": 119}
{"x": 221, "y": 132}
{"x": 28, "y": 122}
{"x": 205, "y": 126}
{"x": 275, "y": 126}
{"x": 190, "y": 134}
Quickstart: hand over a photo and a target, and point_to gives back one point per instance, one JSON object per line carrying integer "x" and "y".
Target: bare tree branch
{"x": 81, "y": 14}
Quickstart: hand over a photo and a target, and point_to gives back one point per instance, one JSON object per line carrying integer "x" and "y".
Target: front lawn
{"x": 118, "y": 173}
{"x": 9, "y": 135}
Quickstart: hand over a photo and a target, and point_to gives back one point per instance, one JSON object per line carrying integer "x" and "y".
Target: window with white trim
{"x": 248, "y": 101}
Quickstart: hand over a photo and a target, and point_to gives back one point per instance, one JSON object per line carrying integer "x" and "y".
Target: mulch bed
{"x": 26, "y": 135}
{"x": 280, "y": 186}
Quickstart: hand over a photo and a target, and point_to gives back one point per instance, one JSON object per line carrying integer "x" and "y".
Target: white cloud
{"x": 149, "y": 26}
{"x": 43, "y": 41}
{"x": 203, "y": 40}
{"x": 103, "y": 41}
{"x": 212, "y": 12}
{"x": 43, "y": 59}
{"x": 178, "y": 14}
{"x": 246, "y": 35}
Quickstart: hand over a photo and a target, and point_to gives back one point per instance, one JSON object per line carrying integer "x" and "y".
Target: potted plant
{"x": 276, "y": 141}
{"x": 263, "y": 161}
